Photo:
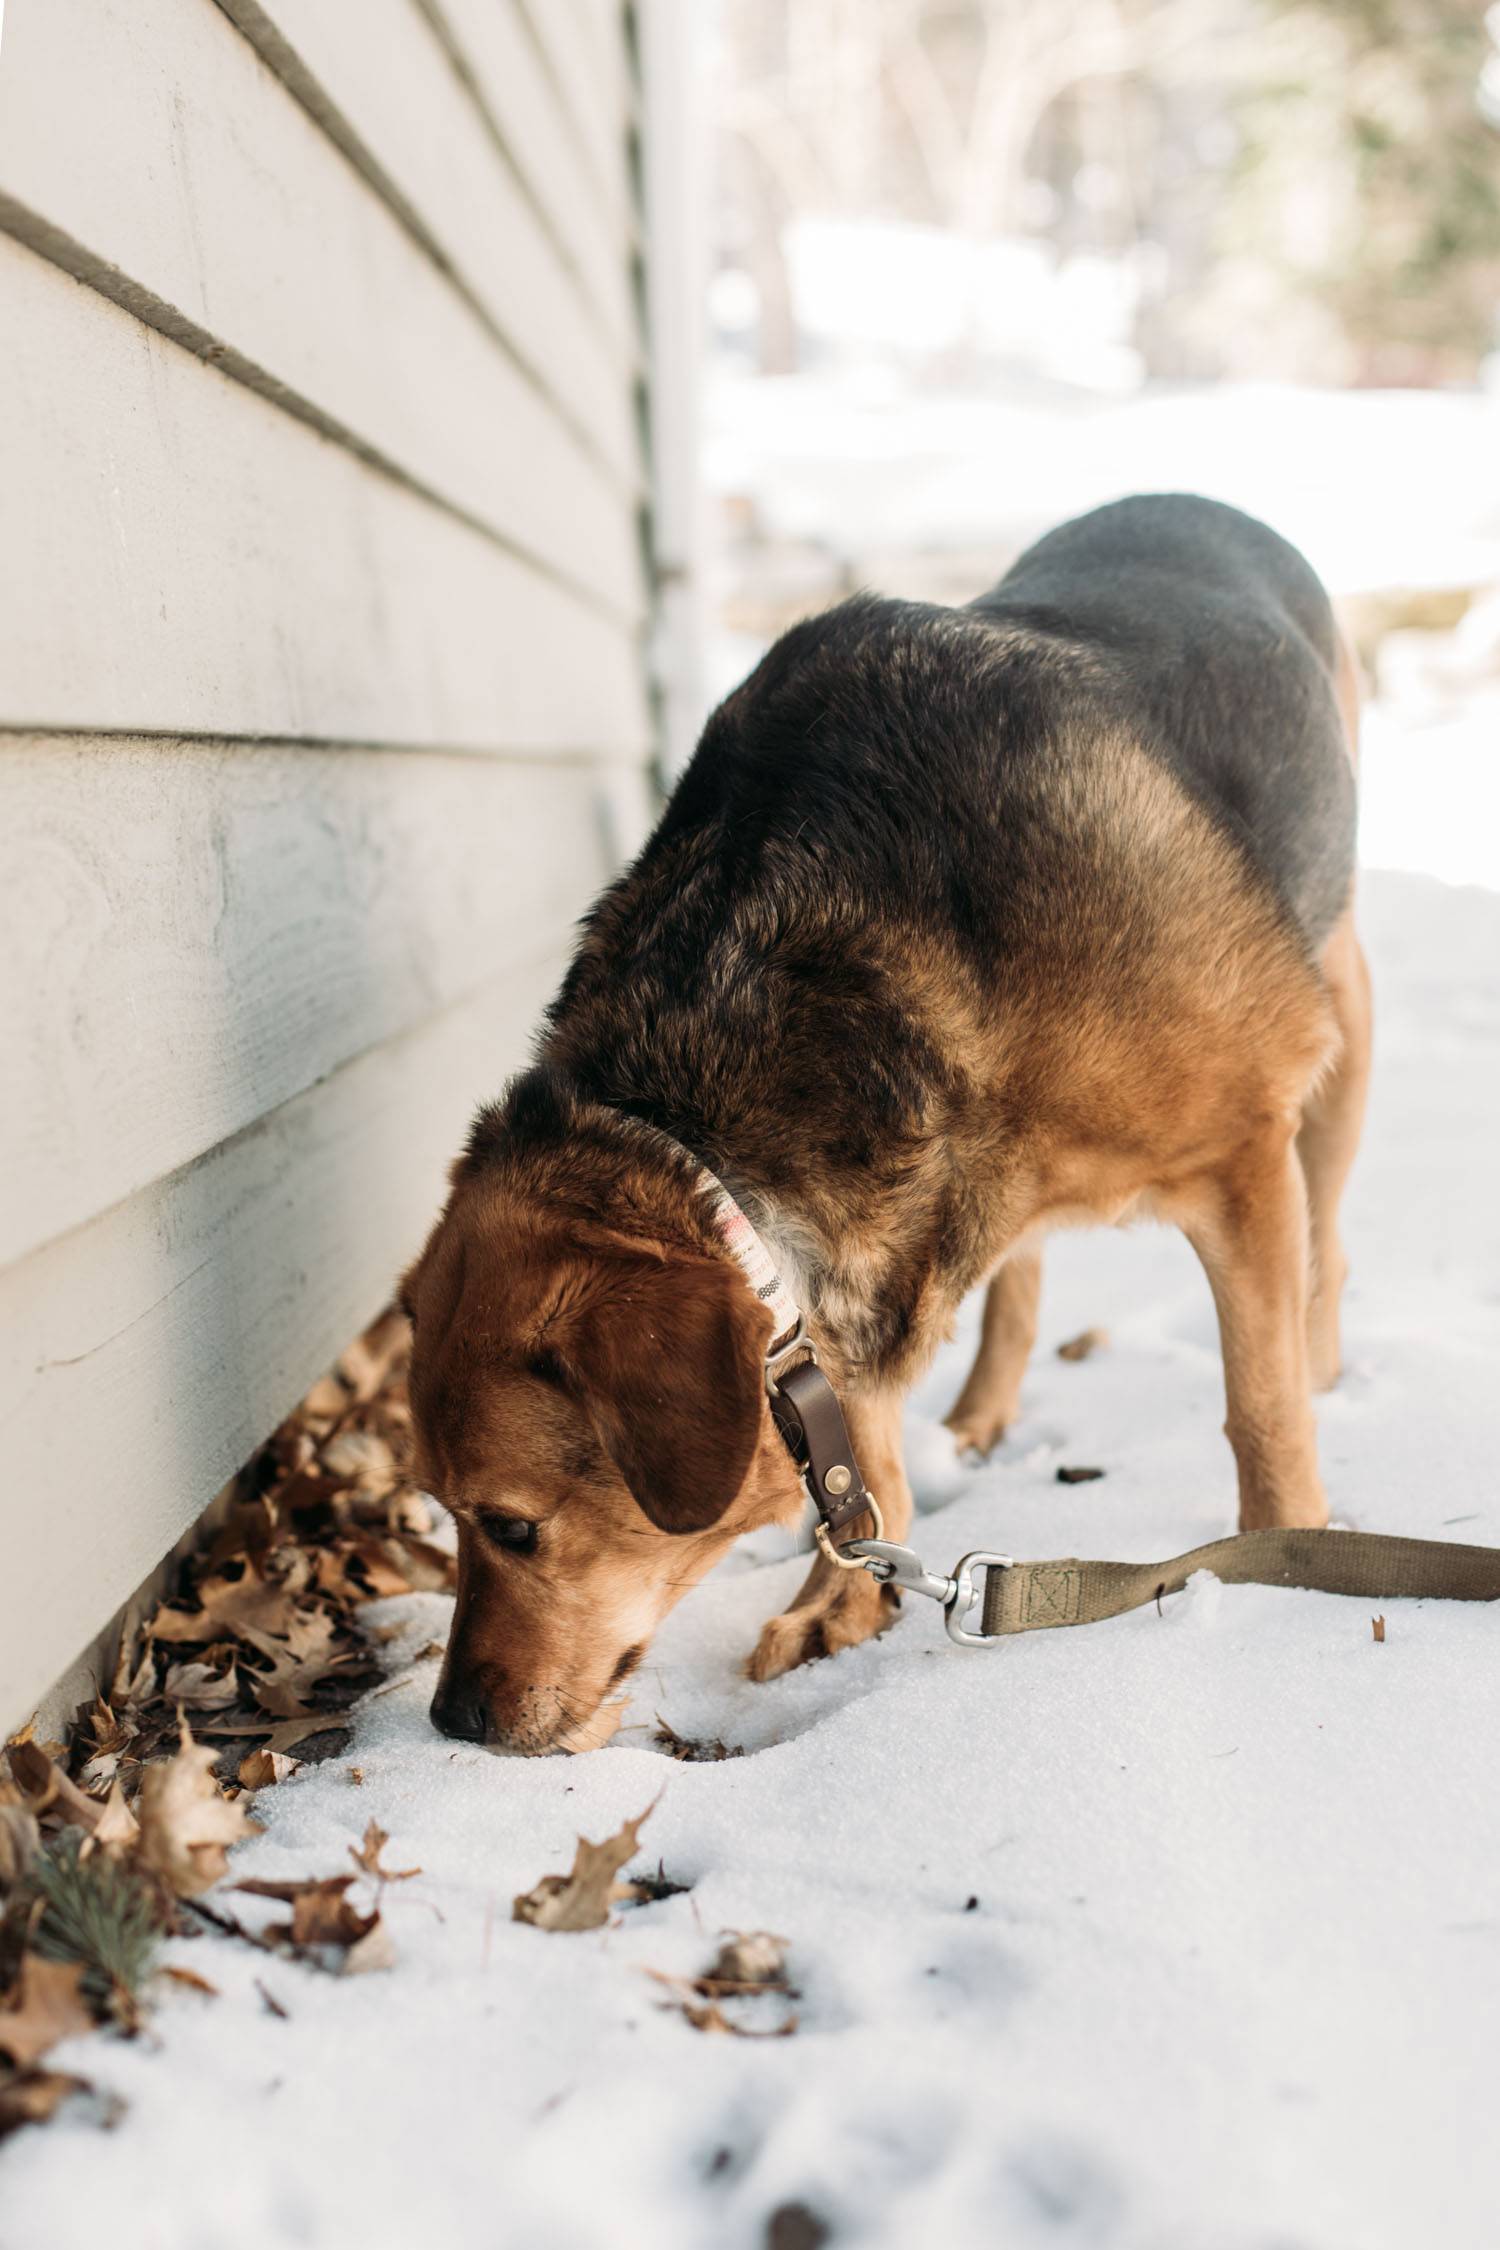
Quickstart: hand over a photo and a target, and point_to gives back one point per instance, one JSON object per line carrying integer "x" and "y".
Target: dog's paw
{"x": 976, "y": 1433}
{"x": 842, "y": 1618}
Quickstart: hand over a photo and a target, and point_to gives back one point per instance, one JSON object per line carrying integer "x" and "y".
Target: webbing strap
{"x": 1024, "y": 1597}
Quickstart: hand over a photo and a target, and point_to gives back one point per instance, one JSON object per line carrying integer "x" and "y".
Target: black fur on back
{"x": 1217, "y": 645}
{"x": 880, "y": 786}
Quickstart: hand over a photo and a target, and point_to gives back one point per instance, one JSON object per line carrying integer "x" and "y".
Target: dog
{"x": 961, "y": 925}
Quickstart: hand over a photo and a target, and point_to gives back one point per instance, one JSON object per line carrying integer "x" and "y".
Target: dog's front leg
{"x": 1250, "y": 1230}
{"x": 838, "y": 1608}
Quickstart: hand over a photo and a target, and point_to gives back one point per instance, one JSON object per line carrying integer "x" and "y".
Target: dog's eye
{"x": 513, "y": 1532}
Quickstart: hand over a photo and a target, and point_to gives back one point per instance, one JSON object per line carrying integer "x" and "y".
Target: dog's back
{"x": 1212, "y": 639}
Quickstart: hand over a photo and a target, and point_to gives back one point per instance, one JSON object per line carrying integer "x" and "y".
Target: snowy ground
{"x": 1232, "y": 1973}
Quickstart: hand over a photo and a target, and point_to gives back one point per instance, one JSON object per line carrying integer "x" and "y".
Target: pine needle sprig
{"x": 98, "y": 1912}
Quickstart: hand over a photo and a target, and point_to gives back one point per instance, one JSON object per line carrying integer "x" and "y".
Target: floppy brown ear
{"x": 667, "y": 1357}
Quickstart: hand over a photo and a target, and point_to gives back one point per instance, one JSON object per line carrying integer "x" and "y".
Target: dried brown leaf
{"x": 362, "y": 1457}
{"x": 230, "y": 1601}
{"x": 30, "y": 2097}
{"x": 384, "y": 1574}
{"x": 749, "y": 1965}
{"x": 263, "y": 1768}
{"x": 747, "y": 1961}
{"x": 366, "y": 1857}
{"x": 117, "y": 1829}
{"x": 689, "y": 1751}
{"x": 1083, "y": 1346}
{"x": 372, "y": 1951}
{"x": 1377, "y": 1628}
{"x": 323, "y": 1915}
{"x": 187, "y": 1827}
{"x": 428, "y": 1569}
{"x": 581, "y": 1899}
{"x": 361, "y": 1368}
{"x": 20, "y": 1840}
{"x": 190, "y": 1980}
{"x": 200, "y": 1687}
{"x": 284, "y": 1736}
{"x": 326, "y": 1398}
{"x": 324, "y": 1919}
{"x": 52, "y": 1795}
{"x": 48, "y": 2006}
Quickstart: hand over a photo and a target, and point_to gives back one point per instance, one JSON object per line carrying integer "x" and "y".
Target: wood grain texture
{"x": 191, "y": 934}
{"x": 381, "y": 76}
{"x": 176, "y": 555}
{"x": 113, "y": 129}
{"x": 143, "y": 1358}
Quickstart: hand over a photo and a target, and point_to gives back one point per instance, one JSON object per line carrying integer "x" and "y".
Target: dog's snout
{"x": 460, "y": 1714}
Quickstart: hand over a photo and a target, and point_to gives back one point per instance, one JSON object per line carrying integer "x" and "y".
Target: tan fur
{"x": 1163, "y": 1049}
{"x": 1168, "y": 1080}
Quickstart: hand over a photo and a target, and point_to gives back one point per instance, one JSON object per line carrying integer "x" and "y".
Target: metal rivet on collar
{"x": 838, "y": 1480}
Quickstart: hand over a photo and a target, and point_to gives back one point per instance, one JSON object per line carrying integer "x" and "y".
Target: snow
{"x": 862, "y": 462}
{"x": 1232, "y": 1978}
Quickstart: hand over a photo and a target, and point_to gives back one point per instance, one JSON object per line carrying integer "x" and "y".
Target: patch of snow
{"x": 861, "y": 462}
{"x": 1232, "y": 1972}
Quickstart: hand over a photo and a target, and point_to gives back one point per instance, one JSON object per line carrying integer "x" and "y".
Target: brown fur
{"x": 587, "y": 1357}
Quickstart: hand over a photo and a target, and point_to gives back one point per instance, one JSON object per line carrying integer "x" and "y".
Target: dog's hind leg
{"x": 836, "y": 1607}
{"x": 1329, "y": 1137}
{"x": 988, "y": 1402}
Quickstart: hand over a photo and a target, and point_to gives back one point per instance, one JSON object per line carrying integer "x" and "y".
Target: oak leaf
{"x": 187, "y": 1827}
{"x": 262, "y": 1768}
{"x": 200, "y": 1686}
{"x": 749, "y": 1965}
{"x": 581, "y": 1899}
{"x": 366, "y": 1857}
{"x": 32, "y": 2096}
{"x": 50, "y": 1792}
{"x": 325, "y": 1919}
{"x": 20, "y": 1838}
{"x": 48, "y": 2006}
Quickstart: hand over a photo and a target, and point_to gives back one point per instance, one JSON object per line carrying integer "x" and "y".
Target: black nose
{"x": 460, "y": 1715}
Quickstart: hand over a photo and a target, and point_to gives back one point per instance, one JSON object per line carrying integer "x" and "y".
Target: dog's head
{"x": 591, "y": 1409}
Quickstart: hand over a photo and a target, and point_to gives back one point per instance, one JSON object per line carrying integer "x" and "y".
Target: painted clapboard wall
{"x": 323, "y": 703}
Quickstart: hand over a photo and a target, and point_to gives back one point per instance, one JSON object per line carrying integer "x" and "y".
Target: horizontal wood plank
{"x": 518, "y": 96}
{"x": 176, "y": 555}
{"x": 143, "y": 1358}
{"x": 379, "y": 80}
{"x": 191, "y": 934}
{"x": 113, "y": 129}
{"x": 592, "y": 95}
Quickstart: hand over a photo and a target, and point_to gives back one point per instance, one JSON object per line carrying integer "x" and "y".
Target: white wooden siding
{"x": 190, "y": 131}
{"x": 240, "y": 574}
{"x": 143, "y": 1357}
{"x": 322, "y": 706}
{"x": 378, "y": 80}
{"x": 195, "y": 932}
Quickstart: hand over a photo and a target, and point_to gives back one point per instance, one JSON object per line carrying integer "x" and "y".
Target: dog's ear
{"x": 667, "y": 1356}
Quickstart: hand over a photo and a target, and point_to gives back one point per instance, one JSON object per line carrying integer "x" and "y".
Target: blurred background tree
{"x": 1307, "y": 188}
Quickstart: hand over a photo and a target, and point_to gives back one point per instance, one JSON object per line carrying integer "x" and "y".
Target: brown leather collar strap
{"x": 1024, "y": 1597}
{"x": 807, "y": 1413}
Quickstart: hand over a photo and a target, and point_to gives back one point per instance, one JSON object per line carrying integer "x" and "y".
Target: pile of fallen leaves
{"x": 109, "y": 1841}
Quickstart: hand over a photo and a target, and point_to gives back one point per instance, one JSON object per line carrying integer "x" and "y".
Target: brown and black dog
{"x": 961, "y": 925}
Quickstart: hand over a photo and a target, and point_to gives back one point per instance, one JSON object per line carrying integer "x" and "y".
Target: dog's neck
{"x": 836, "y": 1294}
{"x": 862, "y": 1270}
